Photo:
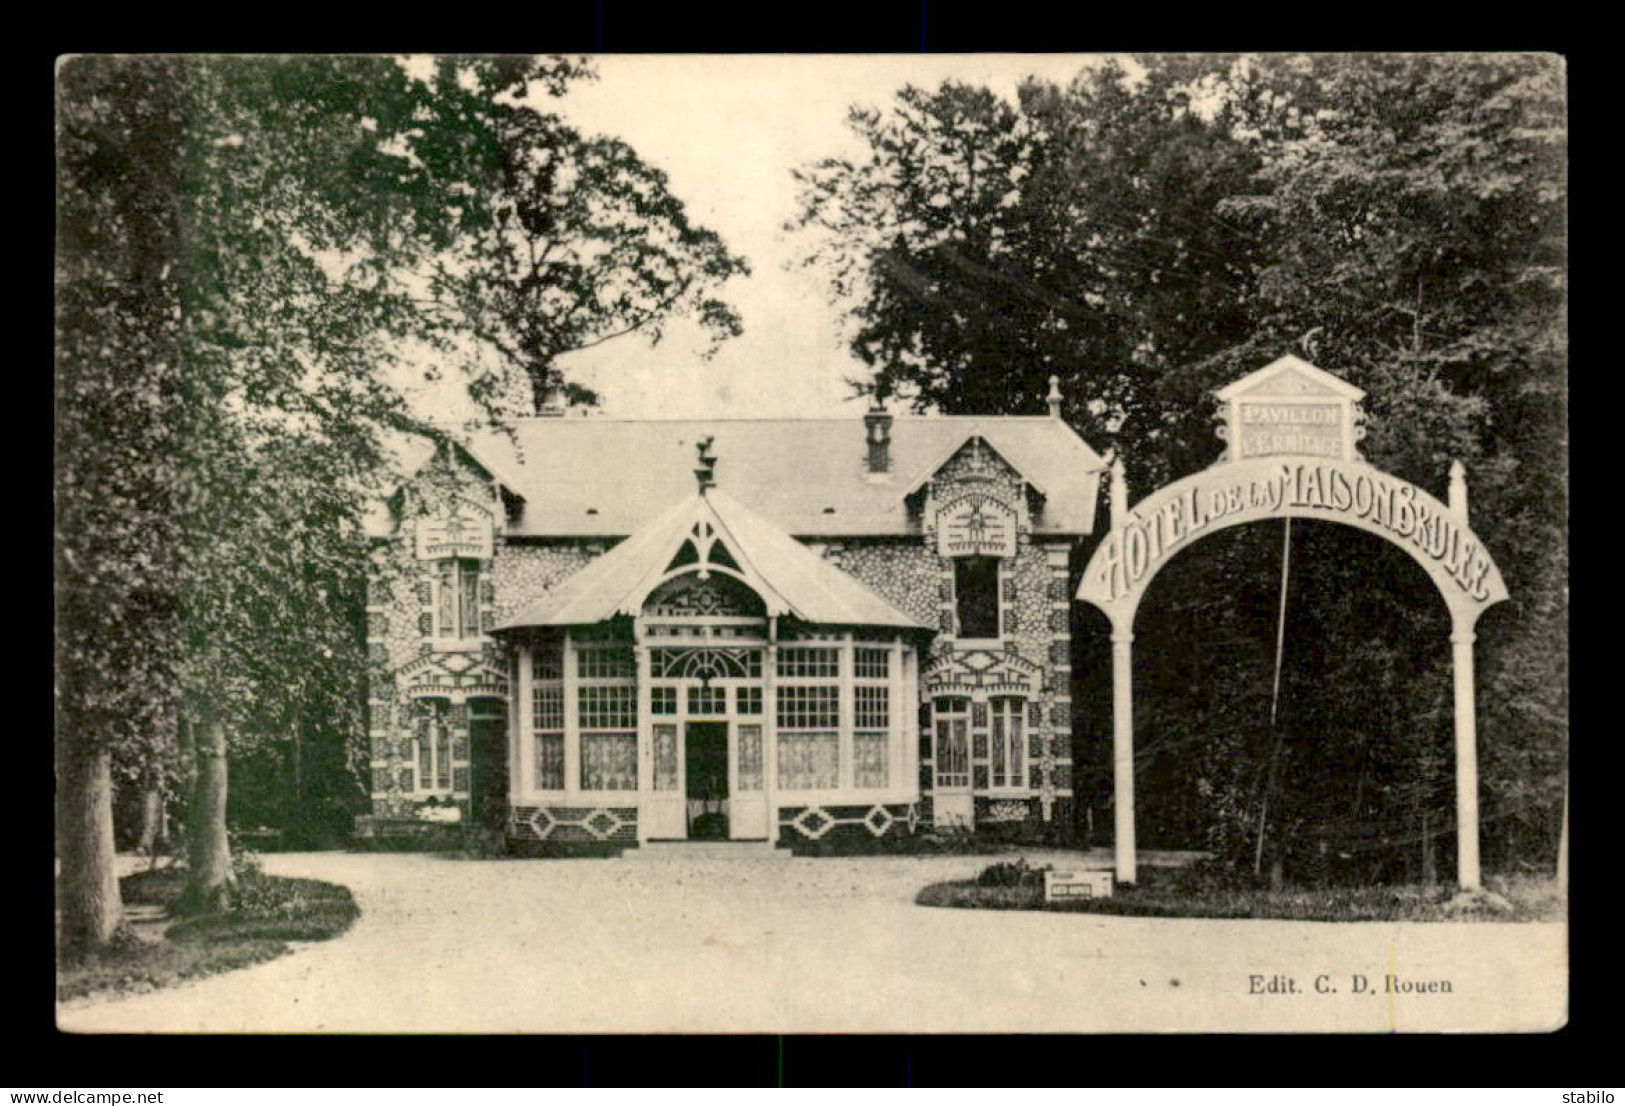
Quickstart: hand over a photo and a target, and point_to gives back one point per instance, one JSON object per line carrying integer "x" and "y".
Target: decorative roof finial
{"x": 705, "y": 472}
{"x": 1054, "y": 397}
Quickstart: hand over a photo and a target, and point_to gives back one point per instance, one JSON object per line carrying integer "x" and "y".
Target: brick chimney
{"x": 877, "y": 427}
{"x": 547, "y": 399}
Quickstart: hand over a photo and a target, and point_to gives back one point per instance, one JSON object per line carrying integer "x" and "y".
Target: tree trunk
{"x": 88, "y": 894}
{"x": 208, "y": 880}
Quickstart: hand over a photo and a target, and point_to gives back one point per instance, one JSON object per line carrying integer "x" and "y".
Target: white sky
{"x": 728, "y": 130}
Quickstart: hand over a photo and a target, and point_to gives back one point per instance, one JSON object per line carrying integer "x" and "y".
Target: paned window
{"x": 547, "y": 716}
{"x": 548, "y": 702}
{"x": 871, "y": 664}
{"x": 547, "y": 663}
{"x": 748, "y": 700}
{"x": 608, "y": 708}
{"x": 809, "y": 760}
{"x": 433, "y": 745}
{"x": 871, "y": 716}
{"x": 550, "y": 762}
{"x": 611, "y": 662}
{"x": 976, "y": 596}
{"x": 607, "y": 717}
{"x": 665, "y": 757}
{"x": 870, "y": 707}
{"x": 707, "y": 700}
{"x": 869, "y": 760}
{"x": 1009, "y": 749}
{"x": 704, "y": 663}
{"x": 809, "y": 661}
{"x": 952, "y": 759}
{"x": 750, "y": 758}
{"x": 809, "y": 708}
{"x": 663, "y": 700}
{"x": 458, "y": 584}
{"x": 609, "y": 761}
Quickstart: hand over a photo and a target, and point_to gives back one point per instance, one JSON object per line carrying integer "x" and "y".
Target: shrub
{"x": 1013, "y": 873}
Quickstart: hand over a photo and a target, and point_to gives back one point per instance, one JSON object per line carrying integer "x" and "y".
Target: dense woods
{"x": 254, "y": 253}
{"x": 1157, "y": 229}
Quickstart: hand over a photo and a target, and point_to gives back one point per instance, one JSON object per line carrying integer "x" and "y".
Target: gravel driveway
{"x": 805, "y": 945}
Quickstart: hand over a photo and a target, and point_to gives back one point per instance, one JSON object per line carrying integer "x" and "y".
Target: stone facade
{"x": 432, "y": 690}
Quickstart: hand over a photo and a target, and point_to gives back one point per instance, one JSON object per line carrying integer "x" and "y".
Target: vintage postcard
{"x": 813, "y": 544}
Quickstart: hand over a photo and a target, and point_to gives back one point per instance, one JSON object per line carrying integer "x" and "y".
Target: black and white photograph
{"x": 811, "y": 543}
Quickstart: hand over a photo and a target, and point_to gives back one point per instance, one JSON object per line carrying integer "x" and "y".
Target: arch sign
{"x": 1291, "y": 431}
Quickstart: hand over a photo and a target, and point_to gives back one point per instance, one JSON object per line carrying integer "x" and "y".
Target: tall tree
{"x": 982, "y": 246}
{"x": 251, "y": 247}
{"x": 1154, "y": 230}
{"x": 1415, "y": 207}
{"x": 582, "y": 244}
{"x": 120, "y": 130}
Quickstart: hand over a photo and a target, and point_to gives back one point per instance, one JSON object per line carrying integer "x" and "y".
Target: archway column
{"x": 1467, "y": 871}
{"x": 1123, "y": 752}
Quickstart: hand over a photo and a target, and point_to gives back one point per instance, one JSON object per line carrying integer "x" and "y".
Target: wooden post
{"x": 1467, "y": 873}
{"x": 1123, "y": 752}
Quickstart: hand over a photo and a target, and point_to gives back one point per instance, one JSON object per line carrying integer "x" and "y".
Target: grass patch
{"x": 1205, "y": 891}
{"x": 268, "y": 911}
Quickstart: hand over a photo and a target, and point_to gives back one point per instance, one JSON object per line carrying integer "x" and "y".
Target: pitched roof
{"x": 1290, "y": 375}
{"x": 605, "y": 477}
{"x": 788, "y": 576}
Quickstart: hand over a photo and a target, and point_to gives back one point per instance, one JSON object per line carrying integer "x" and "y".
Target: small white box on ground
{"x": 1061, "y": 886}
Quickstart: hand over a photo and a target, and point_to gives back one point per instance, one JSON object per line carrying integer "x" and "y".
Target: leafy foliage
{"x": 118, "y": 393}
{"x": 581, "y": 244}
{"x": 253, "y": 250}
{"x": 1155, "y": 230}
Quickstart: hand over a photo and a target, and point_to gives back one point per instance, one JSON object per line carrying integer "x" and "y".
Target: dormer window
{"x": 976, "y": 596}
{"x": 457, "y": 614}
